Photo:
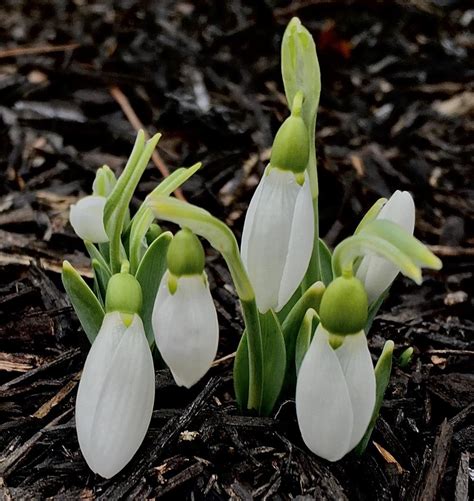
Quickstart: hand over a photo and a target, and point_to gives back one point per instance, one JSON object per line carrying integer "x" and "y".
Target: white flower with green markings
{"x": 277, "y": 238}
{"x": 184, "y": 316}
{"x": 116, "y": 393}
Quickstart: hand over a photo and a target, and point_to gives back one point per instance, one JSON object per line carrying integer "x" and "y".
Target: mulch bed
{"x": 396, "y": 112}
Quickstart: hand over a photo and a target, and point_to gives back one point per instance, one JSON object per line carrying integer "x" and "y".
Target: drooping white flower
{"x": 87, "y": 219}
{"x": 115, "y": 397}
{"x": 335, "y": 394}
{"x": 375, "y": 272}
{"x": 185, "y": 326}
{"x": 277, "y": 238}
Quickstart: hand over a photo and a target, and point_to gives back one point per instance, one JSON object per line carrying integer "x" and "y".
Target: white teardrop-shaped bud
{"x": 277, "y": 238}
{"x": 376, "y": 273}
{"x": 115, "y": 397}
{"x": 335, "y": 394}
{"x": 87, "y": 219}
{"x": 185, "y": 326}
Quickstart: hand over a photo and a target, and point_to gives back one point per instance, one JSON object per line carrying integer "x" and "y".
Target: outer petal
{"x": 300, "y": 245}
{"x": 323, "y": 405}
{"x": 87, "y": 219}
{"x": 267, "y": 233}
{"x": 115, "y": 398}
{"x": 356, "y": 364}
{"x": 186, "y": 328}
{"x": 377, "y": 273}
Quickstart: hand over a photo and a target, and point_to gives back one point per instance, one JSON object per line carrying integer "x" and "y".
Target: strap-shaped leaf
{"x": 274, "y": 361}
{"x": 101, "y": 269}
{"x": 325, "y": 258}
{"x": 371, "y": 214}
{"x": 305, "y": 335}
{"x": 149, "y": 274}
{"x": 85, "y": 303}
{"x": 383, "y": 369}
{"x": 116, "y": 207}
{"x": 140, "y": 226}
{"x": 291, "y": 326}
{"x": 241, "y": 373}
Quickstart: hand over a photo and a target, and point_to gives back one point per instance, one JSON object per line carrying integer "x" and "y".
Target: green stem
{"x": 223, "y": 240}
{"x": 314, "y": 269}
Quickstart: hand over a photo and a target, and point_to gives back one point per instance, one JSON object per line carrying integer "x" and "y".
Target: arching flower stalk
{"x": 376, "y": 273}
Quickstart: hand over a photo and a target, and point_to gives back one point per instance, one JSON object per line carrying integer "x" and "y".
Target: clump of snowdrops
{"x": 307, "y": 310}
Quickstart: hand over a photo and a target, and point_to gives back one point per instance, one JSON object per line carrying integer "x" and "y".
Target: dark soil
{"x": 396, "y": 112}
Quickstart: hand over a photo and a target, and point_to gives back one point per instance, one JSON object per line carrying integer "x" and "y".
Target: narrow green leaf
{"x": 404, "y": 360}
{"x": 274, "y": 361}
{"x": 85, "y": 303}
{"x": 241, "y": 373}
{"x": 371, "y": 214}
{"x": 101, "y": 269}
{"x": 149, "y": 274}
{"x": 325, "y": 258}
{"x": 383, "y": 369}
{"x": 116, "y": 207}
{"x": 305, "y": 335}
{"x": 138, "y": 231}
{"x": 374, "y": 308}
{"x": 291, "y": 326}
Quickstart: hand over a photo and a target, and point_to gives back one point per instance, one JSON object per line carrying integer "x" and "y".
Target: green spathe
{"x": 290, "y": 149}
{"x": 185, "y": 254}
{"x": 344, "y": 306}
{"x": 104, "y": 181}
{"x": 124, "y": 294}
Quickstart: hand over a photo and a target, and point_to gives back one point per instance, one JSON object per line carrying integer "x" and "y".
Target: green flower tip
{"x": 344, "y": 306}
{"x": 290, "y": 149}
{"x": 124, "y": 294}
{"x": 185, "y": 254}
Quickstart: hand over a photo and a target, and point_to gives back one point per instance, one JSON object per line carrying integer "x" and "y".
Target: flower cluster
{"x": 307, "y": 310}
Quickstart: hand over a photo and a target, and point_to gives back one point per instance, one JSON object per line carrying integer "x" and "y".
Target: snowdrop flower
{"x": 277, "y": 238}
{"x": 335, "y": 394}
{"x": 335, "y": 391}
{"x": 377, "y": 273}
{"x": 115, "y": 398}
{"x": 87, "y": 219}
{"x": 184, "y": 317}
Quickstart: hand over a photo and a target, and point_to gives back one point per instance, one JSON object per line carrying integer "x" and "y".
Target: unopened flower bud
{"x": 185, "y": 254}
{"x": 290, "y": 149}
{"x": 344, "y": 306}
{"x": 124, "y": 294}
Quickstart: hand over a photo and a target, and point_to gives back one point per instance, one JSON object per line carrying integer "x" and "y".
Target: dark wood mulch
{"x": 396, "y": 112}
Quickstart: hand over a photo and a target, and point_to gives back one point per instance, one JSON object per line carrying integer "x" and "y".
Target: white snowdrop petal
{"x": 323, "y": 405}
{"x": 93, "y": 375}
{"x": 377, "y": 273}
{"x": 356, "y": 364}
{"x": 126, "y": 402}
{"x": 300, "y": 245}
{"x": 87, "y": 219}
{"x": 115, "y": 397}
{"x": 186, "y": 328}
{"x": 268, "y": 236}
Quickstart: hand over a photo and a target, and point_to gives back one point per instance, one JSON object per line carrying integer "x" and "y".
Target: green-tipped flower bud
{"x": 124, "y": 294}
{"x": 344, "y": 306}
{"x": 104, "y": 181}
{"x": 290, "y": 149}
{"x": 185, "y": 254}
